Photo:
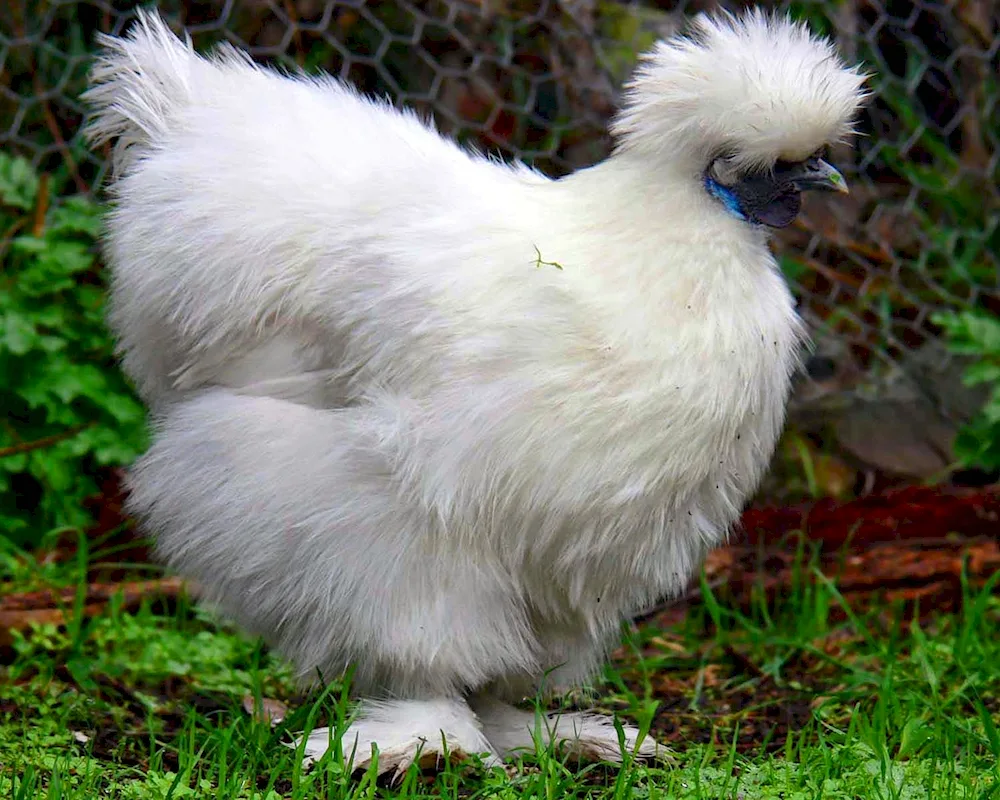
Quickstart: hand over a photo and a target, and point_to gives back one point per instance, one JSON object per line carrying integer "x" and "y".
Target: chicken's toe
{"x": 401, "y": 733}
{"x": 595, "y": 738}
{"x": 590, "y": 737}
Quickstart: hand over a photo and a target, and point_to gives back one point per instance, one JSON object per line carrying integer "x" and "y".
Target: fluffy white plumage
{"x": 389, "y": 435}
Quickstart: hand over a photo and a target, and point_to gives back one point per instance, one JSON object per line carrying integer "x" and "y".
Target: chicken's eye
{"x": 724, "y": 170}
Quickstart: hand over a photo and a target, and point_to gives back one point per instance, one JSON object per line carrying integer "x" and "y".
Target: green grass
{"x": 800, "y": 700}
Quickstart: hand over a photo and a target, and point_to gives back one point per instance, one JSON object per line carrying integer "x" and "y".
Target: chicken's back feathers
{"x": 236, "y": 185}
{"x": 146, "y": 85}
{"x": 139, "y": 84}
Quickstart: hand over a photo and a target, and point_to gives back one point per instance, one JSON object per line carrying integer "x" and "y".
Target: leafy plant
{"x": 67, "y": 410}
{"x": 977, "y": 333}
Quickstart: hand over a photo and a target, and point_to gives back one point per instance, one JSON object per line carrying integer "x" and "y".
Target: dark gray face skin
{"x": 774, "y": 198}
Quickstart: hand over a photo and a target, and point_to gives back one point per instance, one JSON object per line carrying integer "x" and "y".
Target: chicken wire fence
{"x": 538, "y": 81}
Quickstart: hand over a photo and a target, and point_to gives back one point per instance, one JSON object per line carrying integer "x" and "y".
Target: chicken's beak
{"x": 818, "y": 174}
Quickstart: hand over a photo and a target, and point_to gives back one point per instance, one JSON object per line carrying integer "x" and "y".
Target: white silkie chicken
{"x": 443, "y": 419}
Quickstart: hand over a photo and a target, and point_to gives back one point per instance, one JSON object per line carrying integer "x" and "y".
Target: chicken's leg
{"x": 404, "y": 732}
{"x": 587, "y": 736}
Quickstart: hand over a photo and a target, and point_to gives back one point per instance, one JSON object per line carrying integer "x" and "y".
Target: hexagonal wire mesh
{"x": 538, "y": 80}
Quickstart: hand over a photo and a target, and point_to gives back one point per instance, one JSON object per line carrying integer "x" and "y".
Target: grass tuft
{"x": 803, "y": 697}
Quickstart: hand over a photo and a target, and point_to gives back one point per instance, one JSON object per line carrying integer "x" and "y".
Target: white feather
{"x": 757, "y": 86}
{"x": 389, "y": 433}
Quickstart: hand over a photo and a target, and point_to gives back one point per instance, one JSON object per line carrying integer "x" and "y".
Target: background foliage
{"x": 67, "y": 409}
{"x": 977, "y": 334}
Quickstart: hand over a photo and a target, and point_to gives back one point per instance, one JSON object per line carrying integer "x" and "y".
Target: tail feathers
{"x": 137, "y": 85}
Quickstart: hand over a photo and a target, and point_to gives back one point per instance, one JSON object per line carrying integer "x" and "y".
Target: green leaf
{"x": 991, "y": 411}
{"x": 977, "y": 334}
{"x": 18, "y": 333}
{"x": 119, "y": 446}
{"x": 982, "y": 372}
{"x": 983, "y": 331}
{"x": 974, "y": 332}
{"x": 56, "y": 361}
{"x": 75, "y": 215}
{"x": 70, "y": 381}
{"x": 15, "y": 463}
{"x": 124, "y": 408}
{"x": 53, "y": 469}
{"x": 18, "y": 182}
{"x": 916, "y": 734}
{"x": 67, "y": 258}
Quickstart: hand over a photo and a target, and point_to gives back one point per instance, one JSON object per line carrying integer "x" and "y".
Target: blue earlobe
{"x": 726, "y": 196}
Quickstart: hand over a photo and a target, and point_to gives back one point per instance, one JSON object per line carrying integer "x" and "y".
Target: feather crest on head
{"x": 758, "y": 88}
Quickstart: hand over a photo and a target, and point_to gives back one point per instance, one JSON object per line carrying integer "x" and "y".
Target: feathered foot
{"x": 405, "y": 732}
{"x": 587, "y": 736}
